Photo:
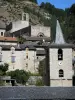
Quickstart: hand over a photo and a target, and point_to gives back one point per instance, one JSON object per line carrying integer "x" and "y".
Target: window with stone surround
{"x": 26, "y": 65}
{"x": 0, "y": 57}
{"x": 61, "y": 73}
{"x": 12, "y": 59}
{"x": 60, "y": 54}
{"x": 27, "y": 49}
{"x": 1, "y": 33}
{"x": 40, "y": 34}
{"x": 0, "y": 54}
{"x": 26, "y": 56}
{"x": 13, "y": 55}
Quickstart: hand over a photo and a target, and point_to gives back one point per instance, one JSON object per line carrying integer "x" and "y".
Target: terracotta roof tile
{"x": 8, "y": 39}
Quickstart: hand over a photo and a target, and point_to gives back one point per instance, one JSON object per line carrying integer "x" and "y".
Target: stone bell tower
{"x": 60, "y": 60}
{"x": 25, "y": 16}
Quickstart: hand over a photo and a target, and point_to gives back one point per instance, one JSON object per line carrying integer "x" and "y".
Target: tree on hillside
{"x": 13, "y": 1}
{"x": 42, "y": 5}
{"x": 72, "y": 9}
{"x": 35, "y": 1}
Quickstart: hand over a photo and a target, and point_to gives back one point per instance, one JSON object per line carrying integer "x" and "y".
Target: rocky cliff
{"x": 12, "y": 11}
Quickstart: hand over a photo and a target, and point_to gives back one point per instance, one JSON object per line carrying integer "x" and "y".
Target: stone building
{"x": 19, "y": 57}
{"x": 24, "y": 29}
{"x": 2, "y": 29}
{"x": 26, "y": 56}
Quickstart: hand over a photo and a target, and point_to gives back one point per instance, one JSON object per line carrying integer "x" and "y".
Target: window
{"x": 60, "y": 54}
{"x": 61, "y": 73}
{"x": 27, "y": 53}
{"x": 26, "y": 56}
{"x": 37, "y": 57}
{"x": 26, "y": 64}
{"x": 1, "y": 33}
{"x": 13, "y": 55}
{"x": 13, "y": 59}
{"x": 24, "y": 16}
{"x": 0, "y": 54}
{"x": 40, "y": 34}
{"x": 0, "y": 57}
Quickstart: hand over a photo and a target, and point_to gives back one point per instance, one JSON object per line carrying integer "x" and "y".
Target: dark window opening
{"x": 12, "y": 52}
{"x": 24, "y": 17}
{"x": 7, "y": 81}
{"x": 41, "y": 35}
{"x": 37, "y": 57}
{"x": 26, "y": 64}
{"x": 1, "y": 33}
{"x": 0, "y": 57}
{"x": 61, "y": 73}
{"x": 26, "y": 56}
{"x": 73, "y": 82}
{"x": 13, "y": 82}
{"x": 60, "y": 54}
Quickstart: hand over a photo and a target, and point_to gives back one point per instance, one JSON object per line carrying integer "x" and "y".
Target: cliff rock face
{"x": 12, "y": 11}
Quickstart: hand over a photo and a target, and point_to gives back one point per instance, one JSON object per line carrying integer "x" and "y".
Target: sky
{"x": 59, "y": 3}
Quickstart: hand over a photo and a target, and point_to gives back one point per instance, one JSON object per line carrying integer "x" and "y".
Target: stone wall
{"x": 19, "y": 25}
{"x": 8, "y": 43}
{"x": 3, "y": 31}
{"x": 65, "y": 65}
{"x": 21, "y": 60}
{"x": 61, "y": 83}
{"x": 35, "y": 30}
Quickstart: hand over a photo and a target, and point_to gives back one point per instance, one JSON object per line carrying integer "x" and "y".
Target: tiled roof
{"x": 40, "y": 52}
{"x": 8, "y": 39}
{"x": 8, "y": 47}
{"x": 66, "y": 45}
{"x": 32, "y": 93}
{"x": 37, "y": 38}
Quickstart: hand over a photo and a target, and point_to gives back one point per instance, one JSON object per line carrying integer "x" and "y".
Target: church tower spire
{"x": 59, "y": 39}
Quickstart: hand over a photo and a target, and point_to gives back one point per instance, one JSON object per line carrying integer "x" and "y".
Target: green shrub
{"x": 21, "y": 76}
{"x": 3, "y": 69}
{"x": 33, "y": 74}
{"x": 1, "y": 83}
{"x": 39, "y": 82}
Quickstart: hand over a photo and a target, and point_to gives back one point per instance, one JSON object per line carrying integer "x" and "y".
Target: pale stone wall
{"x": 19, "y": 25}
{"x": 20, "y": 60}
{"x": 65, "y": 65}
{"x": 32, "y": 65}
{"x": 61, "y": 83}
{"x": 35, "y": 30}
{"x": 8, "y": 43}
{"x": 2, "y": 30}
{"x": 73, "y": 53}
